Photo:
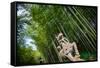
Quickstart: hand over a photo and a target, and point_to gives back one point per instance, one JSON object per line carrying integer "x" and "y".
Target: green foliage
{"x": 78, "y": 24}
{"x": 27, "y": 56}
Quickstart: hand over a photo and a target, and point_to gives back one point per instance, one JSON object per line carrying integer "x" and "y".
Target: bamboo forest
{"x": 39, "y": 24}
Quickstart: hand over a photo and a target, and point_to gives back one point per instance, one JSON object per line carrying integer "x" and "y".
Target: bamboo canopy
{"x": 43, "y": 22}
